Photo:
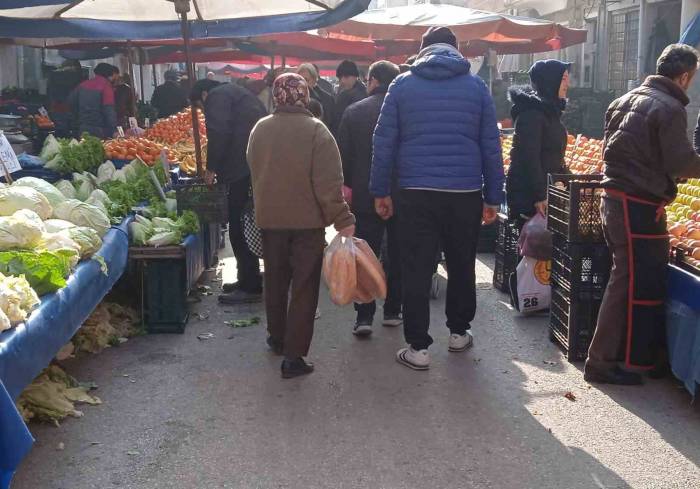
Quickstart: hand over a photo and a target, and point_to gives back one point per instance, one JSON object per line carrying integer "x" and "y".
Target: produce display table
{"x": 683, "y": 326}
{"x": 27, "y": 349}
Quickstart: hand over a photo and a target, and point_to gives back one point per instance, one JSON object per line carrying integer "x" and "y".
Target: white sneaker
{"x": 460, "y": 343}
{"x": 417, "y": 360}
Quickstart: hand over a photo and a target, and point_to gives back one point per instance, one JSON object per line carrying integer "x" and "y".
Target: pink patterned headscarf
{"x": 290, "y": 89}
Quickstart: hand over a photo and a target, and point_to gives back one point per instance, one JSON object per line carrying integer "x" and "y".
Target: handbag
{"x": 251, "y": 231}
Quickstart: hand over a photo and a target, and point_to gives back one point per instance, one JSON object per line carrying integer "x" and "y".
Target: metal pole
{"x": 143, "y": 91}
{"x": 184, "y": 26}
{"x": 642, "y": 39}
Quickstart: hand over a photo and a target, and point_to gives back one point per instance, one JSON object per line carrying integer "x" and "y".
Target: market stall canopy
{"x": 157, "y": 19}
{"x": 478, "y": 31}
{"x": 691, "y": 34}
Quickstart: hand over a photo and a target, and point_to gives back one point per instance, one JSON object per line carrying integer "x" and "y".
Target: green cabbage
{"x": 19, "y": 232}
{"x": 51, "y": 148}
{"x": 82, "y": 214}
{"x": 66, "y": 188}
{"x": 13, "y": 199}
{"x": 87, "y": 239}
{"x": 139, "y": 233}
{"x": 52, "y": 194}
{"x": 4, "y": 322}
{"x": 31, "y": 217}
{"x": 105, "y": 172}
{"x": 56, "y": 225}
{"x": 45, "y": 271}
{"x": 17, "y": 298}
{"x": 168, "y": 238}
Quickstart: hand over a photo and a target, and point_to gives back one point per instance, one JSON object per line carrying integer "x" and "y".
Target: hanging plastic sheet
{"x": 683, "y": 327}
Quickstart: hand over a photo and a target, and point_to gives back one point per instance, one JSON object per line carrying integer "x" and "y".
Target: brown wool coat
{"x": 296, "y": 173}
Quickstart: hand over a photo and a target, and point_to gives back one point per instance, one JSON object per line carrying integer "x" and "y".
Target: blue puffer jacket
{"x": 438, "y": 130}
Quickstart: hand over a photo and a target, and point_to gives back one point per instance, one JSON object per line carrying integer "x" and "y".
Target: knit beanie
{"x": 347, "y": 68}
{"x": 438, "y": 35}
{"x": 546, "y": 76}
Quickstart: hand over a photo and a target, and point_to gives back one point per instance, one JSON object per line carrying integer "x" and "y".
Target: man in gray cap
{"x": 169, "y": 98}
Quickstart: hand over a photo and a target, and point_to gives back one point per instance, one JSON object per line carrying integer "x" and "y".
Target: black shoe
{"x": 276, "y": 346}
{"x": 363, "y": 327}
{"x": 615, "y": 376}
{"x": 392, "y": 320}
{"x": 228, "y": 288}
{"x": 239, "y": 297}
{"x": 296, "y": 368}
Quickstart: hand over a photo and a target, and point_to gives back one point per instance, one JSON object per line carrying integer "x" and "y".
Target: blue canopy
{"x": 156, "y": 19}
{"x": 691, "y": 35}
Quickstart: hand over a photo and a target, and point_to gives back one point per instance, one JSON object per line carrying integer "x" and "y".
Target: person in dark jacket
{"x": 92, "y": 103}
{"x": 310, "y": 74}
{"x": 125, "y": 100}
{"x": 539, "y": 144}
{"x": 355, "y": 142}
{"x": 437, "y": 133}
{"x": 351, "y": 89}
{"x": 169, "y": 98}
{"x": 231, "y": 112}
{"x": 646, "y": 151}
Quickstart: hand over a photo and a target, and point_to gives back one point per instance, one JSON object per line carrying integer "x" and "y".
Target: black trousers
{"x": 247, "y": 264}
{"x": 430, "y": 218}
{"x": 371, "y": 227}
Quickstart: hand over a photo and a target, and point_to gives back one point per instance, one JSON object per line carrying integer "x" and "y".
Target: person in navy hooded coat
{"x": 437, "y": 135}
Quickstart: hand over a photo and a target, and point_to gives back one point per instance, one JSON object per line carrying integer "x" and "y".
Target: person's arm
{"x": 491, "y": 153}
{"x": 109, "y": 114}
{"x": 696, "y": 138}
{"x": 528, "y": 147}
{"x": 679, "y": 157}
{"x": 327, "y": 180}
{"x": 347, "y": 150}
{"x": 385, "y": 145}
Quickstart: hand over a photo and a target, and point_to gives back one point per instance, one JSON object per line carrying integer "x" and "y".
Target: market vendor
{"x": 169, "y": 98}
{"x": 231, "y": 111}
{"x": 92, "y": 103}
{"x": 647, "y": 150}
{"x": 539, "y": 143}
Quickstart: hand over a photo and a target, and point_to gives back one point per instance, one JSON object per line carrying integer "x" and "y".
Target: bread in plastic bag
{"x": 371, "y": 280}
{"x": 339, "y": 270}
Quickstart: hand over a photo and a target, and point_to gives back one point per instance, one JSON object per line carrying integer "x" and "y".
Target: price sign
{"x": 147, "y": 122}
{"x": 43, "y": 112}
{"x": 133, "y": 124}
{"x": 120, "y": 131}
{"x": 7, "y": 155}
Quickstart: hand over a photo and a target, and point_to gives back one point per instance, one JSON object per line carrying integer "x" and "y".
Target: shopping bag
{"x": 371, "y": 280}
{"x": 533, "y": 292}
{"x": 535, "y": 239}
{"x": 339, "y": 270}
{"x": 251, "y": 231}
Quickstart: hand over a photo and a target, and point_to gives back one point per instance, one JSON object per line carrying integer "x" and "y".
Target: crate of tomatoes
{"x": 127, "y": 149}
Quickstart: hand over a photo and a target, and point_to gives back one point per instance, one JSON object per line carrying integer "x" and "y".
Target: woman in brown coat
{"x": 297, "y": 182}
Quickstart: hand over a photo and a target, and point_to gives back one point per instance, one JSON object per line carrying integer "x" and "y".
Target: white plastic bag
{"x": 535, "y": 240}
{"x": 534, "y": 292}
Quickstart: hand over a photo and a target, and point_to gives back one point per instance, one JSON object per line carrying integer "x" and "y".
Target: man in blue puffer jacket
{"x": 438, "y": 135}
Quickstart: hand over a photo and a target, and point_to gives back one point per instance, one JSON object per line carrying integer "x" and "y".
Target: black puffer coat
{"x": 539, "y": 146}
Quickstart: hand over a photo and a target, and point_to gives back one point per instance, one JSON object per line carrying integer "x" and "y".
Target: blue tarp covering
{"x": 683, "y": 327}
{"x": 691, "y": 34}
{"x": 28, "y": 348}
{"x": 142, "y": 30}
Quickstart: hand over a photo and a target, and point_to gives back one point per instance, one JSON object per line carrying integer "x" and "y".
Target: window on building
{"x": 622, "y": 65}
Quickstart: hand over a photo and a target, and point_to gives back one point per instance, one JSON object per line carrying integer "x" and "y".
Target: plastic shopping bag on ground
{"x": 339, "y": 270}
{"x": 535, "y": 240}
{"x": 371, "y": 280}
{"x": 533, "y": 291}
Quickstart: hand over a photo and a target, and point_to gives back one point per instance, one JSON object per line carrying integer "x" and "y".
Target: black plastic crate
{"x": 572, "y": 323}
{"x": 209, "y": 202}
{"x": 162, "y": 277}
{"x": 574, "y": 208}
{"x": 507, "y": 257}
{"x": 487, "y": 238}
{"x": 582, "y": 270}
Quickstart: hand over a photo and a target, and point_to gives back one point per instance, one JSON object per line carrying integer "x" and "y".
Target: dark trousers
{"x": 292, "y": 257}
{"x": 371, "y": 227}
{"x": 428, "y": 219}
{"x": 247, "y": 264}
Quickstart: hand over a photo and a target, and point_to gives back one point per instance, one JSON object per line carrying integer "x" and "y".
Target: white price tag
{"x": 133, "y": 123}
{"x": 147, "y": 122}
{"x": 43, "y": 112}
{"x": 8, "y": 156}
{"x": 120, "y": 131}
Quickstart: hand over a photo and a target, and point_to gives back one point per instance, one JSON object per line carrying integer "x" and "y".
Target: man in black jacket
{"x": 351, "y": 90}
{"x": 169, "y": 98}
{"x": 231, "y": 112}
{"x": 310, "y": 74}
{"x": 355, "y": 133}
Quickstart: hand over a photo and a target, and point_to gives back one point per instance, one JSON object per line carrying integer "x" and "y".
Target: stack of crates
{"x": 506, "y": 259}
{"x": 580, "y": 261}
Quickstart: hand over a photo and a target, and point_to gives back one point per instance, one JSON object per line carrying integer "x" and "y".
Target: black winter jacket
{"x": 355, "y": 133}
{"x": 168, "y": 99}
{"x": 327, "y": 102}
{"x": 345, "y": 99}
{"x": 539, "y": 146}
{"x": 231, "y": 112}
